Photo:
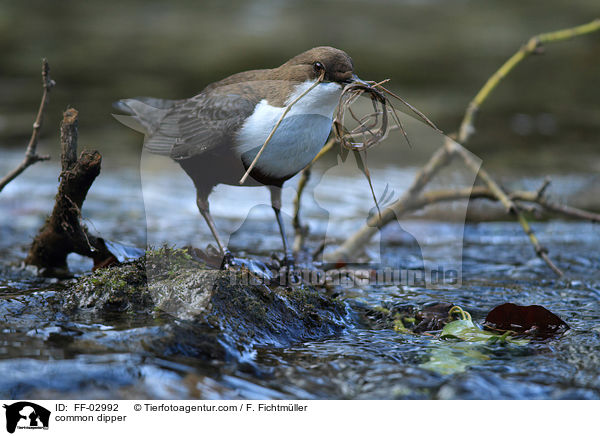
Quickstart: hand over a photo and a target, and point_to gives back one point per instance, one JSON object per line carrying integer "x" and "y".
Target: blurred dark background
{"x": 436, "y": 53}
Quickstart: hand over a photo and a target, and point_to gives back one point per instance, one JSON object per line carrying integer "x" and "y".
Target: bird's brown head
{"x": 335, "y": 64}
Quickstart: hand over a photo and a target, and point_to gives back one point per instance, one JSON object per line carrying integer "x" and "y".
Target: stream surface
{"x": 47, "y": 354}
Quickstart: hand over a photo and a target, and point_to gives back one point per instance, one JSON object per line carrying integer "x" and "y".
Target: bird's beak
{"x": 355, "y": 79}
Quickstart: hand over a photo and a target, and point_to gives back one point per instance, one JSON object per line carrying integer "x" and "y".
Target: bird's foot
{"x": 228, "y": 260}
{"x": 288, "y": 261}
{"x": 288, "y": 273}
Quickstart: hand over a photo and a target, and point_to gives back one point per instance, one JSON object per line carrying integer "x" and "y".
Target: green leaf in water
{"x": 453, "y": 358}
{"x": 466, "y": 330}
{"x": 467, "y": 348}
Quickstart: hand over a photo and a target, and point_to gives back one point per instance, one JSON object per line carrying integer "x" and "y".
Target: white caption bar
{"x": 88, "y": 418}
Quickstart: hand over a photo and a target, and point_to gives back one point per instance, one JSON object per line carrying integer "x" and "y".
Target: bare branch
{"x": 553, "y": 206}
{"x": 418, "y": 202}
{"x": 510, "y": 206}
{"x": 532, "y": 46}
{"x": 413, "y": 200}
{"x": 31, "y": 155}
{"x": 359, "y": 239}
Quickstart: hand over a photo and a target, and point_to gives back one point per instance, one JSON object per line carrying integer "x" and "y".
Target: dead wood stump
{"x": 63, "y": 232}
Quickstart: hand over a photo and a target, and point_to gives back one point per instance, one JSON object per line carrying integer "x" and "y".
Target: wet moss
{"x": 118, "y": 288}
{"x": 405, "y": 318}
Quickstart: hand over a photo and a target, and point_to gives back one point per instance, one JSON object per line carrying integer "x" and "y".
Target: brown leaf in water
{"x": 530, "y": 320}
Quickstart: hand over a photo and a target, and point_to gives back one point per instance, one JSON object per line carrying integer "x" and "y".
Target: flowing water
{"x": 541, "y": 121}
{"x": 47, "y": 354}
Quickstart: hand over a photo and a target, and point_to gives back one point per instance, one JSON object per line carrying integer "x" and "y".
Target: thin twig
{"x": 413, "y": 200}
{"x": 368, "y": 176}
{"x": 359, "y": 239}
{"x": 531, "y": 47}
{"x": 553, "y": 206}
{"x": 466, "y": 129}
{"x": 299, "y": 230}
{"x": 413, "y": 203}
{"x": 411, "y": 107}
{"x": 287, "y": 109}
{"x": 321, "y": 247}
{"x": 31, "y": 155}
{"x": 510, "y": 206}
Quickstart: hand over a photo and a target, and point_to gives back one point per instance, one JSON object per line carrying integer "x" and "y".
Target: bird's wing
{"x": 201, "y": 123}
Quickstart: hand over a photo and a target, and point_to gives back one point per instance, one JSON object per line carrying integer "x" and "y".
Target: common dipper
{"x": 216, "y": 135}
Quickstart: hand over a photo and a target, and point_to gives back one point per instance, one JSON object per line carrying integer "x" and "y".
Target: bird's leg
{"x": 202, "y": 202}
{"x": 276, "y": 205}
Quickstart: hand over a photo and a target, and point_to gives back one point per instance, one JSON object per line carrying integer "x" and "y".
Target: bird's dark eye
{"x": 318, "y": 66}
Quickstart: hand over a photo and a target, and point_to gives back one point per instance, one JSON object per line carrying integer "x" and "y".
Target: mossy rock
{"x": 215, "y": 314}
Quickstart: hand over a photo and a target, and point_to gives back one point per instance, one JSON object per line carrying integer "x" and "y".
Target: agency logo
{"x": 26, "y": 416}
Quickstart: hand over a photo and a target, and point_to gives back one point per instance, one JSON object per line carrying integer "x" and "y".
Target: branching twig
{"x": 510, "y": 206}
{"x": 410, "y": 200}
{"x": 31, "y": 155}
{"x": 532, "y": 46}
{"x": 553, "y": 206}
{"x": 417, "y": 202}
{"x": 413, "y": 199}
{"x": 359, "y": 239}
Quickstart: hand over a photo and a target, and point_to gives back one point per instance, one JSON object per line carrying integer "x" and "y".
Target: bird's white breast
{"x": 299, "y": 137}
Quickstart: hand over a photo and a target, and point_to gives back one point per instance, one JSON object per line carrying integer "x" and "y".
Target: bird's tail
{"x": 142, "y": 114}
